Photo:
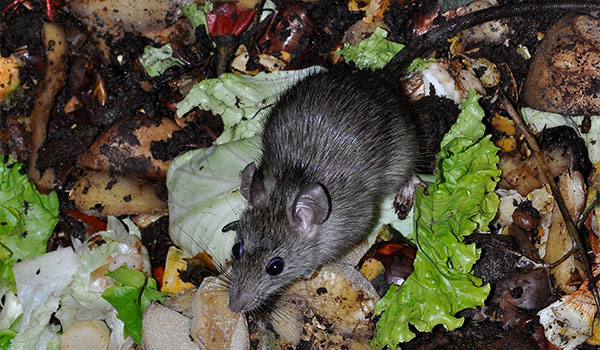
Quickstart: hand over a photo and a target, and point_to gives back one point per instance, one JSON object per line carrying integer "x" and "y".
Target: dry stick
{"x": 570, "y": 225}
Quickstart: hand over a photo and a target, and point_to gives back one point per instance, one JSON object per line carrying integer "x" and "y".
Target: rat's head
{"x": 277, "y": 240}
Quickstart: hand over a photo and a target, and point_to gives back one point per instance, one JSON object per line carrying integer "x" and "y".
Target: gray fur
{"x": 359, "y": 145}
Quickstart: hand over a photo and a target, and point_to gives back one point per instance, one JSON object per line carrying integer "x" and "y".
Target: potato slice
{"x": 124, "y": 148}
{"x": 91, "y": 335}
{"x": 118, "y": 16}
{"x": 163, "y": 328}
{"x": 564, "y": 72}
{"x": 213, "y": 325}
{"x": 101, "y": 194}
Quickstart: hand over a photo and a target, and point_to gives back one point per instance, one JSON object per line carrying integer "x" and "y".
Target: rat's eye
{"x": 236, "y": 250}
{"x": 275, "y": 266}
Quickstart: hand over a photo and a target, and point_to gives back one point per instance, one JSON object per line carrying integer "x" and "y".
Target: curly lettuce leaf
{"x": 132, "y": 291}
{"x": 459, "y": 202}
{"x": 27, "y": 219}
{"x": 242, "y": 101}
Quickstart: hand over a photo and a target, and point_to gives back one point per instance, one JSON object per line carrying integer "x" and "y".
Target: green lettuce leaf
{"x": 130, "y": 295}
{"x": 373, "y": 52}
{"x": 459, "y": 202}
{"x": 196, "y": 13}
{"x": 156, "y": 60}
{"x": 242, "y": 101}
{"x": 27, "y": 219}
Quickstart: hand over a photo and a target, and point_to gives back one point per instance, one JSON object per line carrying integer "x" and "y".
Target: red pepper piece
{"x": 94, "y": 224}
{"x": 158, "y": 272}
{"x": 228, "y": 19}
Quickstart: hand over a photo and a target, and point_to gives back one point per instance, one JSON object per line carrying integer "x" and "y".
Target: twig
{"x": 545, "y": 171}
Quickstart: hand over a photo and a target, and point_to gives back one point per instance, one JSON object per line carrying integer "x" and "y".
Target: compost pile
{"x": 124, "y": 127}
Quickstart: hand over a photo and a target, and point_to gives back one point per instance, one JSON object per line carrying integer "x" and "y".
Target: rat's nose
{"x": 239, "y": 302}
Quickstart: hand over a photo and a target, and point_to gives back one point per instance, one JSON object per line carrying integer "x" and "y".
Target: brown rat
{"x": 332, "y": 147}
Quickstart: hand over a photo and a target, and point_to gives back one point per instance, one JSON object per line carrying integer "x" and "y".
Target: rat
{"x": 332, "y": 146}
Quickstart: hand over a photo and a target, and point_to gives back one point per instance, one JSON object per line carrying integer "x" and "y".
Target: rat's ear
{"x": 253, "y": 186}
{"x": 311, "y": 207}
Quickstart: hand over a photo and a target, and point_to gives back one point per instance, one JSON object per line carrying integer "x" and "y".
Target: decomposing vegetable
{"x": 285, "y": 39}
{"x": 9, "y": 80}
{"x": 226, "y": 22}
{"x": 495, "y": 32}
{"x": 564, "y": 72}
{"x": 125, "y": 147}
{"x": 171, "y": 282}
{"x": 55, "y": 44}
{"x": 102, "y": 194}
{"x": 569, "y": 321}
{"x": 119, "y": 16}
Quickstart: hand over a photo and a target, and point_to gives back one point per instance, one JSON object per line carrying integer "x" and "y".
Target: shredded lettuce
{"x": 132, "y": 291}
{"x": 458, "y": 203}
{"x": 40, "y": 283}
{"x": 83, "y": 298}
{"x": 242, "y": 101}
{"x": 10, "y": 318}
{"x": 27, "y": 219}
{"x": 156, "y": 60}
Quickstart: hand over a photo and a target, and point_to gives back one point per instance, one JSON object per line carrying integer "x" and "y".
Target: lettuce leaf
{"x": 196, "y": 13}
{"x": 156, "y": 60}
{"x": 40, "y": 283}
{"x": 27, "y": 219}
{"x": 242, "y": 101}
{"x": 459, "y": 202}
{"x": 203, "y": 196}
{"x": 130, "y": 295}
{"x": 376, "y": 51}
{"x": 10, "y": 318}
